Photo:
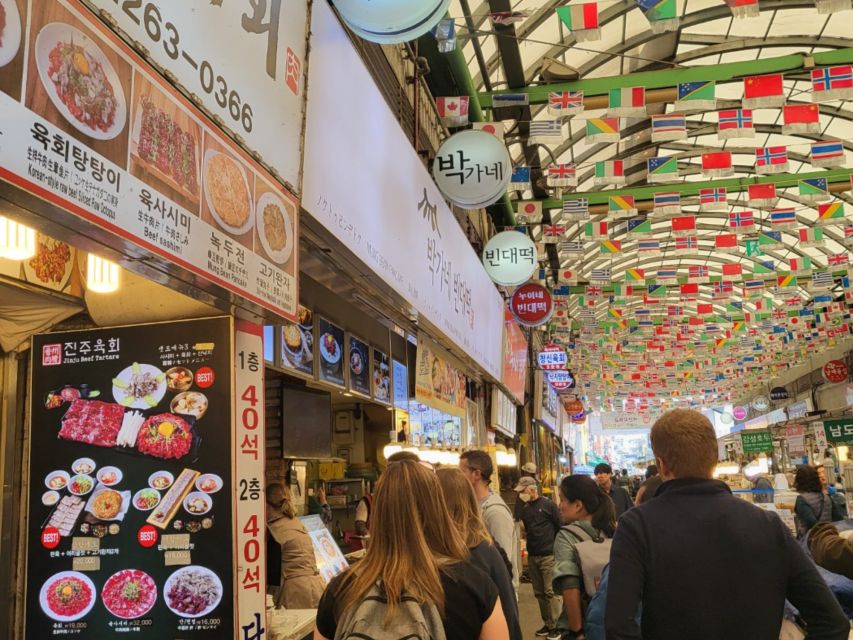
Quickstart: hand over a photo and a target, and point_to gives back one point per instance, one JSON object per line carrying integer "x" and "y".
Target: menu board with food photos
{"x": 330, "y": 348}
{"x": 297, "y": 343}
{"x": 381, "y": 377}
{"x": 359, "y": 366}
{"x": 89, "y": 126}
{"x": 130, "y": 474}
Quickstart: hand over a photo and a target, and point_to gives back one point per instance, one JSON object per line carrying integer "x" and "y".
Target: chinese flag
{"x": 717, "y": 160}
{"x": 757, "y": 87}
{"x": 689, "y": 288}
{"x": 733, "y": 269}
{"x": 684, "y": 223}
{"x": 762, "y": 191}
{"x": 726, "y": 241}
{"x": 801, "y": 114}
{"x": 704, "y": 309}
{"x": 695, "y": 321}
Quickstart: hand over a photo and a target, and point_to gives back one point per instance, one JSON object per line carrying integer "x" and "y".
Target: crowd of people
{"x": 684, "y": 559}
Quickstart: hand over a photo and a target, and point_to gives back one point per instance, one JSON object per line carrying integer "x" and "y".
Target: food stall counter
{"x": 291, "y": 624}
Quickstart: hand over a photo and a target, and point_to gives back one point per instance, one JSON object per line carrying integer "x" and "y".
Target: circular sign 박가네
{"x": 835, "y": 371}
{"x": 472, "y": 169}
{"x": 510, "y": 258}
{"x": 531, "y": 304}
{"x": 391, "y": 21}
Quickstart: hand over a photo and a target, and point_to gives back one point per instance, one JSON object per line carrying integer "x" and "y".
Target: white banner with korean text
{"x": 616, "y": 420}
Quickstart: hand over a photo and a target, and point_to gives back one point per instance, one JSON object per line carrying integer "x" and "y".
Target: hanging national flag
{"x": 598, "y": 275}
{"x": 609, "y": 172}
{"x": 696, "y": 96}
{"x": 520, "y": 180}
{"x": 668, "y": 126}
{"x": 596, "y": 230}
{"x": 655, "y": 292}
{"x": 610, "y": 247}
{"x": 639, "y": 226}
{"x": 501, "y": 100}
{"x": 566, "y": 277}
{"x": 810, "y": 236}
{"x": 830, "y": 213}
{"x": 717, "y": 164}
{"x": 689, "y": 289}
{"x": 722, "y": 290}
{"x": 506, "y": 18}
{"x": 495, "y": 128}
{"x": 732, "y": 269}
{"x": 662, "y": 169}
{"x": 576, "y": 209}
{"x": 744, "y": 8}
{"x": 562, "y": 175}
{"x": 666, "y": 275}
{"x": 602, "y": 130}
{"x": 761, "y": 92}
{"x": 582, "y": 20}
{"x": 529, "y": 212}
{"x": 572, "y": 247}
{"x": 822, "y": 280}
{"x": 832, "y": 83}
{"x": 661, "y": 14}
{"x": 621, "y": 207}
{"x": 553, "y": 233}
{"x": 445, "y": 35}
{"x": 848, "y": 234}
{"x": 635, "y": 275}
{"x": 753, "y": 288}
{"x": 800, "y": 266}
{"x": 741, "y": 221}
{"x": 453, "y": 111}
{"x": 698, "y": 273}
{"x": 726, "y": 242}
{"x": 771, "y": 160}
{"x": 753, "y": 248}
{"x": 546, "y": 132}
{"x": 838, "y": 260}
{"x": 828, "y": 154}
{"x": 684, "y": 223}
{"x": 667, "y": 203}
{"x": 813, "y": 189}
{"x": 762, "y": 196}
{"x": 770, "y": 240}
{"x": 713, "y": 199}
{"x": 800, "y": 118}
{"x": 648, "y": 246}
{"x": 686, "y": 244}
{"x": 764, "y": 267}
{"x": 735, "y": 123}
{"x": 786, "y": 281}
{"x": 628, "y": 102}
{"x": 565, "y": 104}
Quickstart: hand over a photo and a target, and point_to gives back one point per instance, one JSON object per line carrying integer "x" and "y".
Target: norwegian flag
{"x": 565, "y": 103}
{"x": 783, "y": 218}
{"x": 687, "y": 243}
{"x": 828, "y": 153}
{"x": 735, "y": 123}
{"x": 771, "y": 160}
{"x": 741, "y": 221}
{"x": 562, "y": 175}
{"x": 722, "y": 290}
{"x": 838, "y": 259}
{"x": 698, "y": 273}
{"x": 832, "y": 83}
{"x": 761, "y": 195}
{"x": 713, "y": 199}
{"x": 717, "y": 164}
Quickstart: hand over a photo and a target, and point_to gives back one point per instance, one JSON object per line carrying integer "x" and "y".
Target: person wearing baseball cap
{"x": 541, "y": 520}
{"x": 529, "y": 469}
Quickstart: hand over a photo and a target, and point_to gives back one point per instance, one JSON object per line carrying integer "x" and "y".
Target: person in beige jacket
{"x": 301, "y": 585}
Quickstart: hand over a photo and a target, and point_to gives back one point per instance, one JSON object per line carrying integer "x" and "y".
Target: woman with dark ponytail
{"x": 588, "y": 514}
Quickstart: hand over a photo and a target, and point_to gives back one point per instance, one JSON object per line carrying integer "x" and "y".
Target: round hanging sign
{"x": 510, "y": 258}
{"x": 740, "y": 413}
{"x": 391, "y": 21}
{"x": 561, "y": 380}
{"x": 726, "y": 418}
{"x": 760, "y": 403}
{"x": 835, "y": 371}
{"x": 472, "y": 169}
{"x": 552, "y": 357}
{"x": 575, "y": 407}
{"x": 531, "y": 304}
{"x": 779, "y": 393}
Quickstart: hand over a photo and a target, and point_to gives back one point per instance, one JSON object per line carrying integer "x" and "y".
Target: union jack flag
{"x": 565, "y": 102}
{"x": 838, "y": 259}
{"x": 593, "y": 292}
{"x": 562, "y": 175}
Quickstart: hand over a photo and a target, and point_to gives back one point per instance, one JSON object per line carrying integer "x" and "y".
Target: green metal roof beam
{"x": 733, "y": 185}
{"x": 668, "y": 78}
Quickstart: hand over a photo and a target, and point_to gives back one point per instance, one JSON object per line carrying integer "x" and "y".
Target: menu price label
{"x": 87, "y": 563}
{"x": 177, "y": 557}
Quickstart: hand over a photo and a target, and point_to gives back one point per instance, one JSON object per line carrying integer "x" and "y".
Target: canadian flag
{"x": 453, "y": 111}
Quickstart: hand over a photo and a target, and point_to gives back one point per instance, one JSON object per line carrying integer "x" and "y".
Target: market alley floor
{"x": 528, "y": 612}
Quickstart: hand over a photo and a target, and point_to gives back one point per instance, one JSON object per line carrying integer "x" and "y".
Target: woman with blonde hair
{"x": 465, "y": 513}
{"x": 416, "y": 576}
{"x": 300, "y": 586}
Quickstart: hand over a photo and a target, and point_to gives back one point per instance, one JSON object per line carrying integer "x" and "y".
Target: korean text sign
{"x": 131, "y": 506}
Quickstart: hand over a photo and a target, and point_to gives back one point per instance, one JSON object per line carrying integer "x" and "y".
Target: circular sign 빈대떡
{"x": 561, "y": 380}
{"x": 552, "y": 357}
{"x": 835, "y": 371}
{"x": 531, "y": 304}
{"x": 510, "y": 258}
{"x": 472, "y": 169}
{"x": 760, "y": 403}
{"x": 740, "y": 413}
{"x": 779, "y": 393}
{"x": 391, "y": 21}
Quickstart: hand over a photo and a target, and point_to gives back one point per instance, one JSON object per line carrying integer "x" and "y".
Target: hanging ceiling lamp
{"x": 391, "y": 21}
{"x": 102, "y": 276}
{"x": 17, "y": 241}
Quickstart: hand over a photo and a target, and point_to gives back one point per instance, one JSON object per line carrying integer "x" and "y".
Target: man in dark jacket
{"x": 541, "y": 519}
{"x": 621, "y": 498}
{"x": 703, "y": 564}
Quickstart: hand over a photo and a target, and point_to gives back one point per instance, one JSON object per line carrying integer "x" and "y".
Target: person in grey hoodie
{"x": 812, "y": 505}
{"x": 478, "y": 468}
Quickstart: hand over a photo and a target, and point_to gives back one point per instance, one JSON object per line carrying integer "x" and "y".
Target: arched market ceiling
{"x": 611, "y": 347}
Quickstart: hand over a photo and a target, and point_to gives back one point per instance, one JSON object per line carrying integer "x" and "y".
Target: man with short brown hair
{"x": 703, "y": 564}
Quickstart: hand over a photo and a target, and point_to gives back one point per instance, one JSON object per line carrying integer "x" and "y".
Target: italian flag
{"x": 627, "y": 102}
{"x": 582, "y": 20}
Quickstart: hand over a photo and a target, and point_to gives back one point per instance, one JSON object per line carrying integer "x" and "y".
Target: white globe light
{"x": 510, "y": 258}
{"x": 472, "y": 169}
{"x": 391, "y": 21}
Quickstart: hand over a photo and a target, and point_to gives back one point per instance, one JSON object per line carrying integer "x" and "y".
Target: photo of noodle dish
{"x": 275, "y": 228}
{"x": 226, "y": 190}
{"x": 67, "y": 596}
{"x": 10, "y": 31}
{"x": 80, "y": 81}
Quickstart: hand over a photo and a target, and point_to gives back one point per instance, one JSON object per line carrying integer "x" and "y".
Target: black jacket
{"x": 621, "y": 499}
{"x": 542, "y": 522}
{"x": 706, "y": 565}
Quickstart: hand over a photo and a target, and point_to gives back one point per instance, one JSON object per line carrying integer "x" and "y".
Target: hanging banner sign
{"x": 561, "y": 380}
{"x": 839, "y": 432}
{"x": 795, "y": 436}
{"x": 835, "y": 371}
{"x": 819, "y": 432}
{"x": 617, "y": 420}
{"x": 778, "y": 394}
{"x": 514, "y": 358}
{"x": 141, "y": 162}
{"x": 438, "y": 383}
{"x": 146, "y": 508}
{"x": 531, "y": 304}
{"x": 756, "y": 441}
{"x": 552, "y": 357}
